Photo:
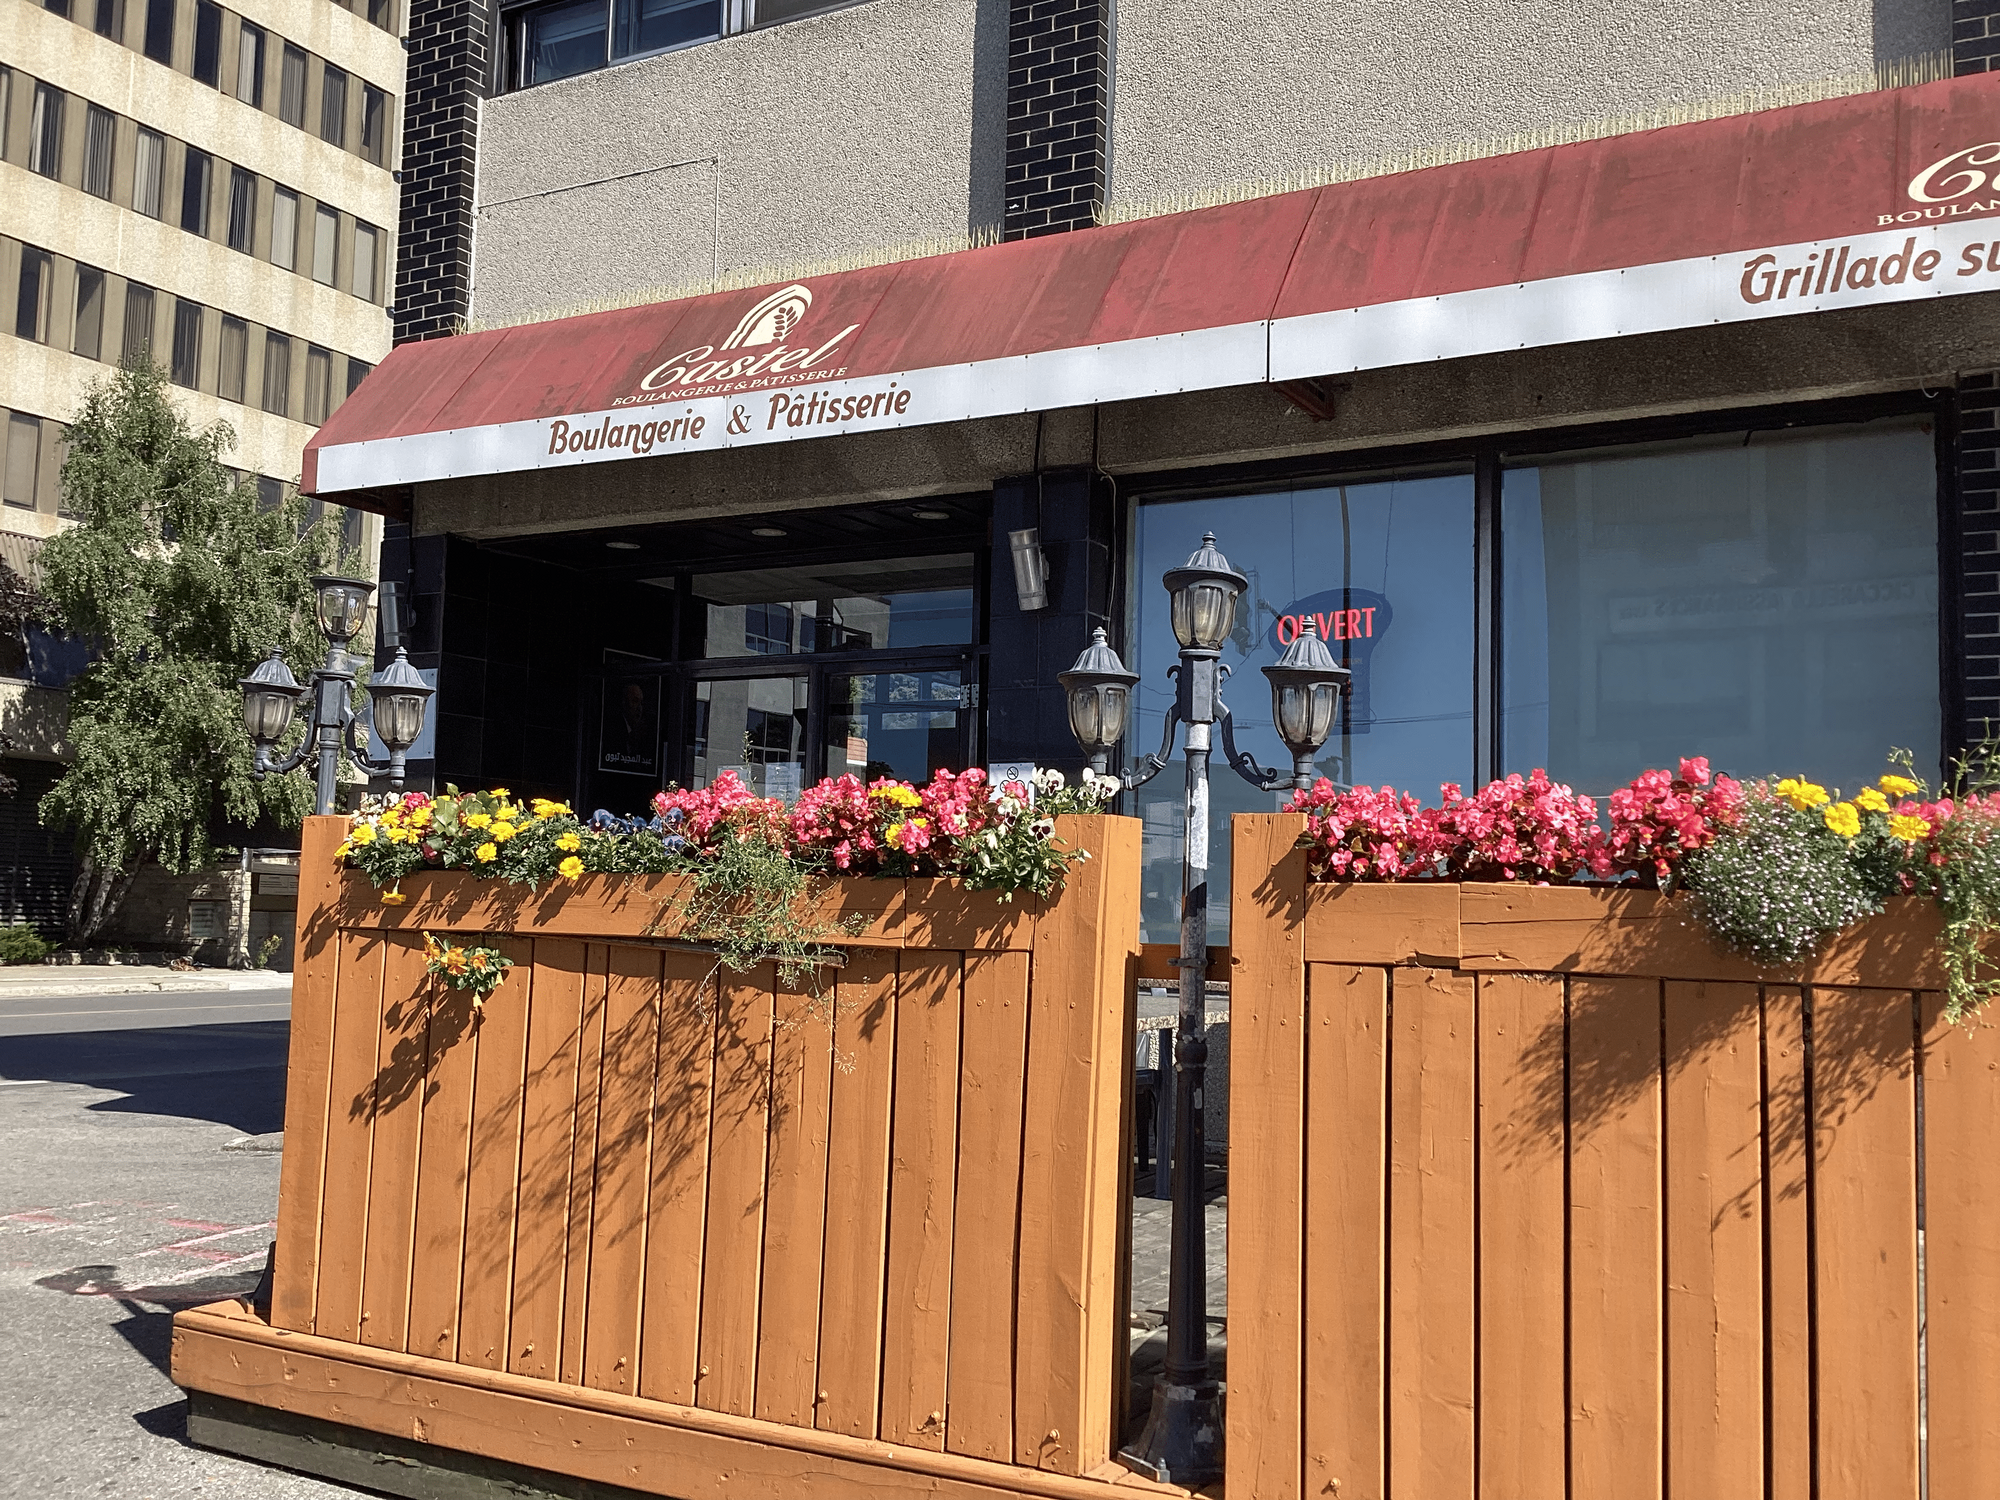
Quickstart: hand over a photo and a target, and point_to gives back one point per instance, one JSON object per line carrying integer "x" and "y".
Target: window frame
{"x": 100, "y": 128}
{"x": 285, "y": 209}
{"x": 251, "y": 40}
{"x": 184, "y": 361}
{"x": 137, "y": 295}
{"x": 92, "y": 277}
{"x": 286, "y": 56}
{"x": 510, "y": 30}
{"x": 333, "y": 105}
{"x": 242, "y": 211}
{"x": 162, "y": 22}
{"x": 207, "y": 55}
{"x": 197, "y": 190}
{"x": 276, "y": 373}
{"x": 45, "y": 131}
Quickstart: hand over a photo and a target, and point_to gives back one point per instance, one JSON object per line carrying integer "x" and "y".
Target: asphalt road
{"x": 130, "y": 1186}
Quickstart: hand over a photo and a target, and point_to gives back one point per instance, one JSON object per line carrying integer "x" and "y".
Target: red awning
{"x": 1875, "y": 198}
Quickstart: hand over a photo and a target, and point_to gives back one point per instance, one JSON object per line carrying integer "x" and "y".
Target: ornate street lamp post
{"x": 1182, "y": 1443}
{"x": 397, "y": 699}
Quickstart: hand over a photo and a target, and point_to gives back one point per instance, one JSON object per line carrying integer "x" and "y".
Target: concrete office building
{"x": 1612, "y": 384}
{"x": 210, "y": 185}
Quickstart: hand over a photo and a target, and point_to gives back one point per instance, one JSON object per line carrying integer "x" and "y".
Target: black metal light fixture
{"x": 1182, "y": 1443}
{"x": 398, "y": 699}
{"x": 1031, "y": 568}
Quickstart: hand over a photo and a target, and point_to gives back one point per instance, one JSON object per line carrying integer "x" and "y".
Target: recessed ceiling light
{"x": 767, "y": 531}
{"x": 932, "y": 515}
{"x": 623, "y": 546}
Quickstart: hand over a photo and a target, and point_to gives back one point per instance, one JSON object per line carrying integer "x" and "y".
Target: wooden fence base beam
{"x": 326, "y": 1407}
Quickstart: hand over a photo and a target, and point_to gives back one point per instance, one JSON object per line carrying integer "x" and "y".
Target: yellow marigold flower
{"x": 570, "y": 868}
{"x": 499, "y": 794}
{"x": 391, "y": 818}
{"x": 1843, "y": 819}
{"x": 454, "y": 961}
{"x": 901, "y": 796}
{"x": 486, "y": 853}
{"x": 1907, "y": 828}
{"x": 477, "y": 820}
{"x": 502, "y": 832}
{"x": 479, "y": 963}
{"x": 363, "y": 834}
{"x": 1898, "y": 786}
{"x": 545, "y": 809}
{"x": 570, "y": 842}
{"x": 893, "y": 835}
{"x": 421, "y": 818}
{"x": 393, "y": 898}
{"x": 1871, "y": 801}
{"x": 1802, "y": 794}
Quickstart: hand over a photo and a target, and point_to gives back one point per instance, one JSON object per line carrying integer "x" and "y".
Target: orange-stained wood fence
{"x": 1536, "y": 1193}
{"x": 893, "y": 1212}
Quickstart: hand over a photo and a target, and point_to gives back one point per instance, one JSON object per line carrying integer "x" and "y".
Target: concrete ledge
{"x": 375, "y": 1461}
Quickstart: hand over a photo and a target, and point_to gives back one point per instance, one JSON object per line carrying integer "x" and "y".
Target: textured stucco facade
{"x": 1206, "y": 95}
{"x": 878, "y": 125}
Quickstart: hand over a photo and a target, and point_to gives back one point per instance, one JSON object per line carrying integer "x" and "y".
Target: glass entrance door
{"x": 754, "y": 726}
{"x": 905, "y": 723}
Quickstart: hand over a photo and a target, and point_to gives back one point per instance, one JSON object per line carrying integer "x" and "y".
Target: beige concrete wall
{"x": 75, "y": 59}
{"x": 871, "y": 126}
{"x": 1209, "y": 94}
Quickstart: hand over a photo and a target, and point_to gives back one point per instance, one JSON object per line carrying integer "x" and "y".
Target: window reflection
{"x": 901, "y": 724}
{"x": 1771, "y": 605}
{"x": 1385, "y": 571}
{"x": 898, "y": 604}
{"x": 756, "y": 727}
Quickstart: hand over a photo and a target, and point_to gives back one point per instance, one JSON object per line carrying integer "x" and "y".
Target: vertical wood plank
{"x": 583, "y": 1164}
{"x": 617, "y": 1273}
{"x": 402, "y": 1065}
{"x": 1714, "y": 1240}
{"x": 1616, "y": 1339}
{"x": 1865, "y": 1217}
{"x": 923, "y": 1163}
{"x": 732, "y": 1262}
{"x": 857, "y": 1193}
{"x": 1962, "y": 1242}
{"x": 493, "y": 1173}
{"x": 1432, "y": 1234}
{"x": 1523, "y": 1420}
{"x": 350, "y": 1125}
{"x": 1788, "y": 1325}
{"x": 1345, "y": 1219}
{"x": 677, "y": 1205}
{"x": 443, "y": 1159}
{"x": 992, "y": 1065}
{"x": 795, "y": 1217}
{"x": 316, "y": 981}
{"x": 555, "y": 1016}
{"x": 1263, "y": 1419}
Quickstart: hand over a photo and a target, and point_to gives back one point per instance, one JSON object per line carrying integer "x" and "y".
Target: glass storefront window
{"x": 754, "y": 726}
{"x": 1770, "y": 603}
{"x": 892, "y": 604}
{"x": 901, "y": 724}
{"x": 1385, "y": 569}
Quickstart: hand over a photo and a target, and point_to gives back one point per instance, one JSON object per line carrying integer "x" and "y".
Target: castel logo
{"x": 1951, "y": 187}
{"x": 754, "y": 355}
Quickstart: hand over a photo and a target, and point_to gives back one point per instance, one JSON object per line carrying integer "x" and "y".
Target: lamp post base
{"x": 1182, "y": 1443}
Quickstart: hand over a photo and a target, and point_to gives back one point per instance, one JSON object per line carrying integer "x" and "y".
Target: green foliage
{"x": 180, "y": 582}
{"x": 755, "y": 903}
{"x": 21, "y": 944}
{"x": 268, "y": 950}
{"x": 1958, "y": 866}
{"x": 466, "y": 966}
{"x": 1778, "y": 881}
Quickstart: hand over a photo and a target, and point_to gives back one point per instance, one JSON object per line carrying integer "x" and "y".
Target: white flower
{"x": 1050, "y": 779}
{"x": 992, "y": 839}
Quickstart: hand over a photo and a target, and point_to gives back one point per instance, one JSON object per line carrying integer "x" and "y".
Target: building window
{"x": 138, "y": 339}
{"x": 326, "y": 242}
{"x": 374, "y": 124}
{"x": 242, "y": 208}
{"x": 235, "y": 357}
{"x": 250, "y": 66}
{"x": 284, "y": 228}
{"x": 24, "y": 459}
{"x": 109, "y": 19}
{"x": 6, "y": 104}
{"x": 292, "y": 87}
{"x": 208, "y": 43}
{"x": 364, "y": 262}
{"x": 31, "y": 304}
{"x": 382, "y": 13}
{"x": 195, "y": 178}
{"x": 357, "y": 371}
{"x": 319, "y": 384}
{"x": 187, "y": 343}
{"x": 149, "y": 166}
{"x": 333, "y": 106}
{"x": 277, "y": 374}
{"x": 160, "y": 31}
{"x": 545, "y": 42}
{"x": 88, "y": 337}
{"x": 57, "y": 8}
{"x": 45, "y": 132}
{"x": 100, "y": 130}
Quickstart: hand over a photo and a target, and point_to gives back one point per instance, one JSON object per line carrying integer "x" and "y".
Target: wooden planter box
{"x": 647, "y": 1224}
{"x": 1554, "y": 1197}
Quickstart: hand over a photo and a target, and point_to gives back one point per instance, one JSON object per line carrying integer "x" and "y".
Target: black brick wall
{"x": 1058, "y": 108}
{"x": 1972, "y": 589}
{"x": 448, "y": 44}
{"x": 1975, "y": 36}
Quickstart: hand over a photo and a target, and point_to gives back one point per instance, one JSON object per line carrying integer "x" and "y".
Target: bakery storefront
{"x": 1671, "y": 443}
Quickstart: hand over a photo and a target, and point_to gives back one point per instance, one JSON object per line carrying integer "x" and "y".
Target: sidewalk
{"x": 60, "y": 981}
